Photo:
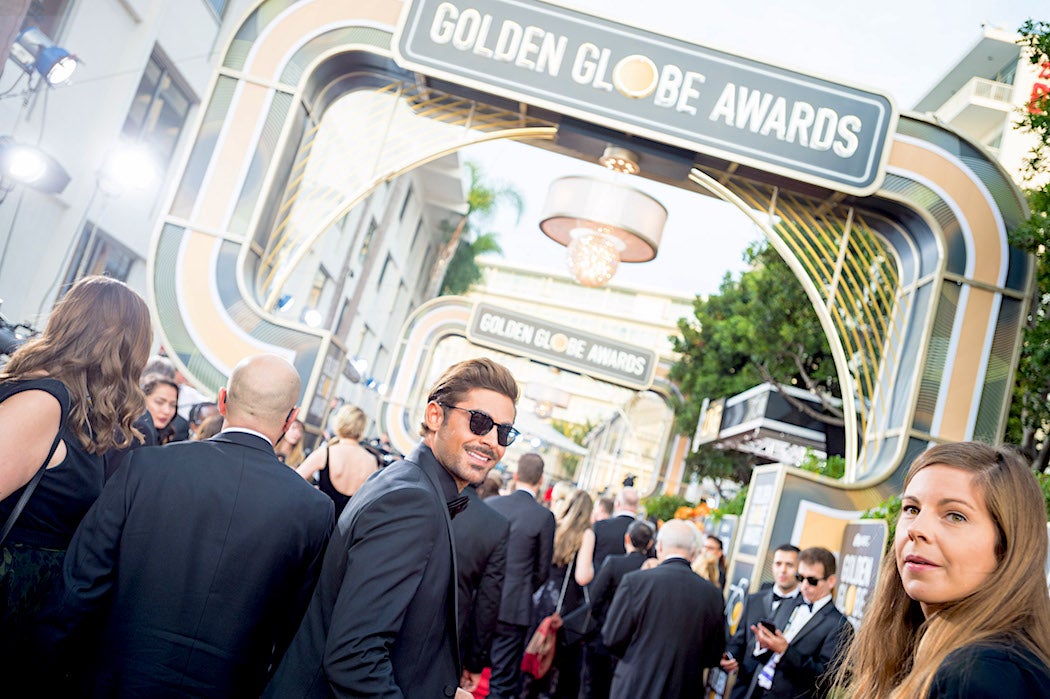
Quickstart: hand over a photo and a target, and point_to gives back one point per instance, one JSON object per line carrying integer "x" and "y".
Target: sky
{"x": 898, "y": 47}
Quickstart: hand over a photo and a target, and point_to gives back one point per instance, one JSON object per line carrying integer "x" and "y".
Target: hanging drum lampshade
{"x": 602, "y": 223}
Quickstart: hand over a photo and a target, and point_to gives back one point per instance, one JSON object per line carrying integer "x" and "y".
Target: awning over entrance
{"x": 532, "y": 426}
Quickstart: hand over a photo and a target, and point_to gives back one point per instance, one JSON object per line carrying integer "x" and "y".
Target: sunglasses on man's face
{"x": 810, "y": 579}
{"x": 482, "y": 423}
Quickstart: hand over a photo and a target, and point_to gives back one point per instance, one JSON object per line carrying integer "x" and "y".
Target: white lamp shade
{"x": 630, "y": 215}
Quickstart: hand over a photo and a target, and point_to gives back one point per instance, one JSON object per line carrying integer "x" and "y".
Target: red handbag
{"x": 539, "y": 654}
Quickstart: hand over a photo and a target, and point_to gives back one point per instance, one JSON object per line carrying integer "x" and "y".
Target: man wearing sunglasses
{"x": 801, "y": 651}
{"x": 382, "y": 621}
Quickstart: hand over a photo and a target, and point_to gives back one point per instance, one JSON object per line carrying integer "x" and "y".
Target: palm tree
{"x": 483, "y": 200}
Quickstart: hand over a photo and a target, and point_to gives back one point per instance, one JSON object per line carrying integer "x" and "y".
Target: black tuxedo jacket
{"x": 481, "y": 536}
{"x": 529, "y": 553}
{"x": 608, "y": 538}
{"x": 805, "y": 668}
{"x": 666, "y": 625}
{"x": 197, "y": 562}
{"x": 758, "y": 605}
{"x": 382, "y": 621}
{"x": 603, "y": 587}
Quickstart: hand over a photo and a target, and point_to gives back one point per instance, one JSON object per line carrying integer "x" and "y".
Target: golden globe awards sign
{"x": 654, "y": 86}
{"x": 562, "y": 346}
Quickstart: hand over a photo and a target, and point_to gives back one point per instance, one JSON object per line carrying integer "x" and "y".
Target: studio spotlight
{"x": 28, "y": 165}
{"x": 33, "y": 50}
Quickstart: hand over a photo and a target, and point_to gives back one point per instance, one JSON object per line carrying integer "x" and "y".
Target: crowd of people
{"x": 159, "y": 544}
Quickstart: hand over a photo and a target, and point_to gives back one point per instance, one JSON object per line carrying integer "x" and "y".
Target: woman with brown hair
{"x": 66, "y": 398}
{"x": 290, "y": 449}
{"x": 564, "y": 679}
{"x": 343, "y": 465}
{"x": 961, "y": 607}
{"x": 162, "y": 403}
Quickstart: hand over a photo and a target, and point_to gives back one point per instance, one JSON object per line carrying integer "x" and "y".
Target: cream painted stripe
{"x": 271, "y": 49}
{"x": 215, "y": 333}
{"x": 981, "y": 218}
{"x": 960, "y": 393}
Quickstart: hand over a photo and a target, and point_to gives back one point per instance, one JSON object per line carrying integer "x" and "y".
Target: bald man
{"x": 190, "y": 574}
{"x": 665, "y": 624}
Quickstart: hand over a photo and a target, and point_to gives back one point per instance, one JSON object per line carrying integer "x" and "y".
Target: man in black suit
{"x": 598, "y": 663}
{"x": 798, "y": 661}
{"x": 764, "y": 604}
{"x": 199, "y": 558}
{"x": 382, "y": 622}
{"x": 605, "y": 538}
{"x": 481, "y": 536}
{"x": 529, "y": 553}
{"x": 665, "y": 624}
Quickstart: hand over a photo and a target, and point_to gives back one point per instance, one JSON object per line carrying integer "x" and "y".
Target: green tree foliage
{"x": 719, "y": 465}
{"x": 758, "y": 328}
{"x": 663, "y": 507}
{"x": 733, "y": 506}
{"x": 832, "y": 467}
{"x": 1029, "y": 424}
{"x": 465, "y": 241}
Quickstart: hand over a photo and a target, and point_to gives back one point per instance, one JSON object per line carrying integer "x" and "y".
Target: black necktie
{"x": 458, "y": 505}
{"x": 809, "y": 606}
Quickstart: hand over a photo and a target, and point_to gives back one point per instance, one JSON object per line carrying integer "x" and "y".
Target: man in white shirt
{"x": 763, "y": 604}
{"x": 798, "y": 655}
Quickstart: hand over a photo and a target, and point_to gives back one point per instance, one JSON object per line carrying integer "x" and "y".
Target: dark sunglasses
{"x": 482, "y": 423}
{"x": 810, "y": 579}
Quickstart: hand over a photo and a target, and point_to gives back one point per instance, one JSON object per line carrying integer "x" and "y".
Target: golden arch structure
{"x": 917, "y": 288}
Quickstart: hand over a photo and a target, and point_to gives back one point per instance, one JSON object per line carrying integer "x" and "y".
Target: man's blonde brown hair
{"x": 459, "y": 379}
{"x": 897, "y": 651}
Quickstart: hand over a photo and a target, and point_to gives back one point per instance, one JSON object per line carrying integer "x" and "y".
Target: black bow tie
{"x": 809, "y": 606}
{"x": 779, "y": 598}
{"x": 458, "y": 505}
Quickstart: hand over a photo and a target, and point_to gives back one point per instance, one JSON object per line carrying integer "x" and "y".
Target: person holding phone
{"x": 762, "y": 605}
{"x": 961, "y": 608}
{"x": 796, "y": 662}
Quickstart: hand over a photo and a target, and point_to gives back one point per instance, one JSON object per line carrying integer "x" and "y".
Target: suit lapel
{"x": 417, "y": 457}
{"x": 814, "y": 621}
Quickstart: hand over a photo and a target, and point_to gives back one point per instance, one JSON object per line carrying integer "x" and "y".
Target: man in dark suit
{"x": 800, "y": 654}
{"x": 199, "y": 558}
{"x": 605, "y": 538}
{"x": 529, "y": 553}
{"x": 382, "y": 622}
{"x": 665, "y": 624}
{"x": 481, "y": 536}
{"x": 598, "y": 663}
{"x": 764, "y": 604}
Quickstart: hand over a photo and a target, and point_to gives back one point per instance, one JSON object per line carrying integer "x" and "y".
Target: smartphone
{"x": 770, "y": 626}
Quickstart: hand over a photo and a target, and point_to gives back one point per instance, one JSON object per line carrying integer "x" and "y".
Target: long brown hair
{"x": 569, "y": 533}
{"x": 96, "y": 343}
{"x": 897, "y": 651}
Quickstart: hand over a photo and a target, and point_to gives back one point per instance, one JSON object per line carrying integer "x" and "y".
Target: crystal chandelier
{"x": 594, "y": 256}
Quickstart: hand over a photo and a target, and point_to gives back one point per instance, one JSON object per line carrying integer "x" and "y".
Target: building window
{"x": 159, "y": 109}
{"x": 382, "y": 273}
{"x": 47, "y": 15}
{"x": 98, "y": 252}
{"x": 218, "y": 6}
{"x": 373, "y": 226}
{"x": 404, "y": 204}
{"x": 321, "y": 280}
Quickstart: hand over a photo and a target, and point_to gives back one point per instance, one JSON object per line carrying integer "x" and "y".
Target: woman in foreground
{"x": 961, "y": 608}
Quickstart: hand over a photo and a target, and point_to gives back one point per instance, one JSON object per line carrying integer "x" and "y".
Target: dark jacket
{"x": 481, "y": 536}
{"x": 529, "y": 553}
{"x": 666, "y": 626}
{"x": 382, "y": 622}
{"x": 991, "y": 670}
{"x": 806, "y": 667}
{"x": 197, "y": 561}
{"x": 608, "y": 538}
{"x": 741, "y": 645}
